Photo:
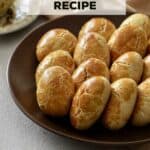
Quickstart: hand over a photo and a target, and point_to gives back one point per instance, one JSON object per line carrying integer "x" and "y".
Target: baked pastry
{"x": 141, "y": 115}
{"x": 55, "y": 91}
{"x": 54, "y": 40}
{"x": 128, "y": 65}
{"x": 91, "y": 67}
{"x": 121, "y": 104}
{"x": 89, "y": 102}
{"x": 101, "y": 26}
{"x": 138, "y": 19}
{"x": 91, "y": 45}
{"x": 128, "y": 38}
{"x": 57, "y": 58}
{"x": 146, "y": 71}
{"x": 86, "y": 94}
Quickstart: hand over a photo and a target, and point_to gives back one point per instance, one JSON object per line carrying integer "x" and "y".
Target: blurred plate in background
{"x": 15, "y": 19}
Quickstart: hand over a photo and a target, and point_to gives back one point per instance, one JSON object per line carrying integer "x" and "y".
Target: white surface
{"x": 46, "y": 7}
{"x": 17, "y": 132}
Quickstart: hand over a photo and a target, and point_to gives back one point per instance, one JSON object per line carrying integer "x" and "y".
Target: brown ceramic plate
{"x": 21, "y": 71}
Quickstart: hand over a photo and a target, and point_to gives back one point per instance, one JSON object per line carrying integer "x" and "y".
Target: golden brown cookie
{"x": 55, "y": 91}
{"x": 89, "y": 102}
{"x": 128, "y": 38}
{"x": 121, "y": 104}
{"x": 138, "y": 19}
{"x": 91, "y": 67}
{"x": 57, "y": 58}
{"x": 141, "y": 115}
{"x": 101, "y": 26}
{"x": 54, "y": 40}
{"x": 91, "y": 45}
{"x": 128, "y": 65}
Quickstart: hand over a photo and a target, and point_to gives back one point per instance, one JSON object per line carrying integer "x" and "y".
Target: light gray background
{"x": 17, "y": 132}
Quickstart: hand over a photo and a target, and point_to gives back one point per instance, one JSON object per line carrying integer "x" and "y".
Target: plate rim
{"x": 20, "y": 26}
{"x": 57, "y": 132}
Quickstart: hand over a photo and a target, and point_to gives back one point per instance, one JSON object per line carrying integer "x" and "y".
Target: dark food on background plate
{"x": 4, "y": 6}
{"x": 6, "y": 12}
{"x": 88, "y": 95}
{"x": 7, "y": 18}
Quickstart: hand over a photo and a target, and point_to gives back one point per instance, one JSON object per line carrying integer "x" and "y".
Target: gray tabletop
{"x": 17, "y": 132}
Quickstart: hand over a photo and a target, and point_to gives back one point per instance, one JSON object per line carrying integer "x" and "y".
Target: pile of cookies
{"x": 104, "y": 74}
